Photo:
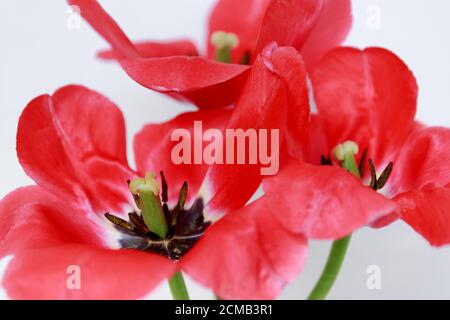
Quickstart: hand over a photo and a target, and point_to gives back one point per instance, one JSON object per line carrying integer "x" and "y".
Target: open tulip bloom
{"x": 360, "y": 161}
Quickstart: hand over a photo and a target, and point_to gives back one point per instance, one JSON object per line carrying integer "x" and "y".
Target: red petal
{"x": 73, "y": 144}
{"x": 94, "y": 14}
{"x": 330, "y": 31}
{"x": 104, "y": 274}
{"x": 153, "y": 148}
{"x": 206, "y": 83}
{"x": 424, "y": 160}
{"x": 288, "y": 23}
{"x": 262, "y": 105}
{"x": 366, "y": 96}
{"x": 290, "y": 67}
{"x": 151, "y": 49}
{"x": 323, "y": 202}
{"x": 427, "y": 211}
{"x": 247, "y": 255}
{"x": 33, "y": 218}
{"x": 421, "y": 180}
{"x": 243, "y": 18}
{"x": 318, "y": 141}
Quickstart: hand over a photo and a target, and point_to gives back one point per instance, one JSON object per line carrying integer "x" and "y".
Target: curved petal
{"x": 330, "y": 31}
{"x": 241, "y": 17}
{"x": 31, "y": 217}
{"x": 247, "y": 255}
{"x": 48, "y": 237}
{"x": 97, "y": 17}
{"x": 323, "y": 202}
{"x": 277, "y": 80}
{"x": 423, "y": 160}
{"x": 51, "y": 273}
{"x": 427, "y": 211}
{"x": 73, "y": 145}
{"x": 366, "y": 96}
{"x": 288, "y": 23}
{"x": 153, "y": 148}
{"x": 206, "y": 83}
{"x": 151, "y": 49}
{"x": 420, "y": 181}
{"x": 290, "y": 68}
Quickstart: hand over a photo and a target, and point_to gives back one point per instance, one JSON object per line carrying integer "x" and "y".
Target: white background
{"x": 38, "y": 54}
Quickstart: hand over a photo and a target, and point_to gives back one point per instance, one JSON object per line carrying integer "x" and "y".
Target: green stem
{"x": 178, "y": 287}
{"x": 331, "y": 270}
{"x": 338, "y": 249}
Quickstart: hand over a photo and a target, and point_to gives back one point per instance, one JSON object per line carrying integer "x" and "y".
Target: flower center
{"x": 156, "y": 228}
{"x": 224, "y": 43}
{"x": 345, "y": 154}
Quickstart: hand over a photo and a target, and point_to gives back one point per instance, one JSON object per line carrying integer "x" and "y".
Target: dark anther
{"x": 385, "y": 176}
{"x": 185, "y": 227}
{"x": 191, "y": 221}
{"x": 373, "y": 176}
{"x": 246, "y": 58}
{"x": 379, "y": 183}
{"x": 325, "y": 161}
{"x": 164, "y": 187}
{"x": 135, "y": 197}
{"x": 138, "y": 222}
{"x": 180, "y": 204}
{"x": 119, "y": 222}
{"x": 362, "y": 163}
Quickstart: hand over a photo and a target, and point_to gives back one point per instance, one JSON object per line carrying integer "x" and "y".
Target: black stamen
{"x": 246, "y": 58}
{"x": 362, "y": 163}
{"x": 119, "y": 222}
{"x": 164, "y": 187}
{"x": 180, "y": 203}
{"x": 385, "y": 176}
{"x": 325, "y": 161}
{"x": 138, "y": 222}
{"x": 373, "y": 174}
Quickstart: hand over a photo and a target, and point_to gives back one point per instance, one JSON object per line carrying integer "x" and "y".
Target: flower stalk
{"x": 345, "y": 154}
{"x": 178, "y": 287}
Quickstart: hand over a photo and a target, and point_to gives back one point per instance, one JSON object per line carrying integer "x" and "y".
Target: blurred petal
{"x": 206, "y": 83}
{"x": 318, "y": 143}
{"x": 366, "y": 96}
{"x": 288, "y": 23}
{"x": 99, "y": 19}
{"x": 73, "y": 145}
{"x": 151, "y": 49}
{"x": 427, "y": 211}
{"x": 421, "y": 183}
{"x": 330, "y": 31}
{"x": 153, "y": 149}
{"x": 30, "y": 217}
{"x": 241, "y": 17}
{"x": 104, "y": 274}
{"x": 323, "y": 202}
{"x": 247, "y": 255}
{"x": 290, "y": 68}
{"x": 424, "y": 160}
{"x": 262, "y": 105}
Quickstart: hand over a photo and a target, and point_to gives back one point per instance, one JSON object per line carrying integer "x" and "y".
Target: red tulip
{"x": 370, "y": 97}
{"x": 72, "y": 144}
{"x": 175, "y": 68}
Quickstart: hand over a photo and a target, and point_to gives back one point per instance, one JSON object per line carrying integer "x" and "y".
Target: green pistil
{"x": 224, "y": 43}
{"x": 152, "y": 212}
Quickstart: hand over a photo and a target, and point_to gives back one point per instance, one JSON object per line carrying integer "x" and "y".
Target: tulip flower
{"x": 238, "y": 32}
